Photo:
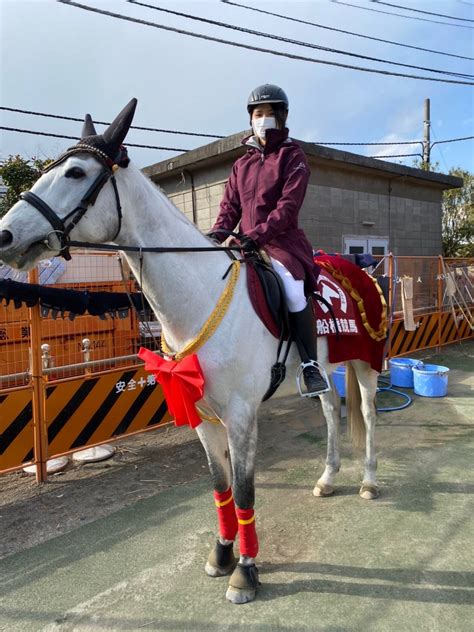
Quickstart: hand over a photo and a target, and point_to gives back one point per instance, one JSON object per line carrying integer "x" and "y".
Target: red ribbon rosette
{"x": 182, "y": 383}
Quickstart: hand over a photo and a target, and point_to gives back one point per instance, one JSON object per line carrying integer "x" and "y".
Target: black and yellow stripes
{"x": 85, "y": 412}
{"x": 434, "y": 330}
{"x": 80, "y": 412}
{"x": 16, "y": 427}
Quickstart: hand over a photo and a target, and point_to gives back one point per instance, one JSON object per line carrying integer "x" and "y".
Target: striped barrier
{"x": 80, "y": 412}
{"x": 86, "y": 411}
{"x": 16, "y": 428}
{"x": 433, "y": 330}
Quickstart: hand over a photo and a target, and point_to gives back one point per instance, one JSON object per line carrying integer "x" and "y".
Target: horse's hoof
{"x": 243, "y": 584}
{"x": 321, "y": 490}
{"x": 221, "y": 560}
{"x": 369, "y": 492}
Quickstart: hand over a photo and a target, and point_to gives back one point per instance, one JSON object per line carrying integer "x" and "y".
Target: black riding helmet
{"x": 275, "y": 96}
{"x": 268, "y": 93}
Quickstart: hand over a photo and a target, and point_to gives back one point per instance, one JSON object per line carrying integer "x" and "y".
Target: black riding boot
{"x": 303, "y": 332}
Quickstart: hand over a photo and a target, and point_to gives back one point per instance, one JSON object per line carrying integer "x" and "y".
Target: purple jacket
{"x": 265, "y": 192}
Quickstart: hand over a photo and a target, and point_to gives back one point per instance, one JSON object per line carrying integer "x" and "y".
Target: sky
{"x": 63, "y": 60}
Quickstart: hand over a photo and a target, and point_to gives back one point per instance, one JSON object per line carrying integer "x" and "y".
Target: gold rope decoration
{"x": 379, "y": 335}
{"x": 208, "y": 329}
{"x": 212, "y": 323}
{"x": 213, "y": 419}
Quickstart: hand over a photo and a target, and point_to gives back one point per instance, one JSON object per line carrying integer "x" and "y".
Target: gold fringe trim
{"x": 381, "y": 333}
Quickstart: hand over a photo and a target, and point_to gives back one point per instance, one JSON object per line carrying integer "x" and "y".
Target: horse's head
{"x": 60, "y": 204}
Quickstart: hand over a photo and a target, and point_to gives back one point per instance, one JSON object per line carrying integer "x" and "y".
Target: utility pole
{"x": 426, "y": 136}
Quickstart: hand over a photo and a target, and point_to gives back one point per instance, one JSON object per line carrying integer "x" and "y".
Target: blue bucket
{"x": 339, "y": 378}
{"x": 401, "y": 371}
{"x": 431, "y": 380}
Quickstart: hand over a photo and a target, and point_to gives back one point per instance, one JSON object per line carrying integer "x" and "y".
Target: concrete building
{"x": 353, "y": 203}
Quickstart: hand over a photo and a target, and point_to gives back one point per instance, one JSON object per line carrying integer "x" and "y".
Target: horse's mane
{"x": 143, "y": 188}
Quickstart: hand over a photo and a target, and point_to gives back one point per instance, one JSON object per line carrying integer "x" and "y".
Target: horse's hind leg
{"x": 367, "y": 379}
{"x": 221, "y": 560}
{"x": 331, "y": 404}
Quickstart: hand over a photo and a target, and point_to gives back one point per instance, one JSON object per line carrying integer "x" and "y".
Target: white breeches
{"x": 294, "y": 289}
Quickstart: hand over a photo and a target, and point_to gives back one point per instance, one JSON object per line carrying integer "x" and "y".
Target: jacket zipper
{"x": 260, "y": 163}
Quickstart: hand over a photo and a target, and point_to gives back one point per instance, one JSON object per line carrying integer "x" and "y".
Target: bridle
{"x": 61, "y": 230}
{"x": 62, "y": 227}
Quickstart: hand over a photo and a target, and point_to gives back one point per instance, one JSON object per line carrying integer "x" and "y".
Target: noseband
{"x": 61, "y": 227}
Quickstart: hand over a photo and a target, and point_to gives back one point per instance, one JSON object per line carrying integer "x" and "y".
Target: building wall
{"x": 338, "y": 200}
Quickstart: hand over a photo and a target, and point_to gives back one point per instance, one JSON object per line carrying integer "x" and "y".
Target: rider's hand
{"x": 214, "y": 237}
{"x": 248, "y": 245}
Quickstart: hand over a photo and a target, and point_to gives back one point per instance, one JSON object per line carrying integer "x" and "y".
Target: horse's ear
{"x": 88, "y": 128}
{"x": 115, "y": 134}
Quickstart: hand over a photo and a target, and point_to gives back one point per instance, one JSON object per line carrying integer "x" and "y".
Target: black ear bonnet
{"x": 110, "y": 142}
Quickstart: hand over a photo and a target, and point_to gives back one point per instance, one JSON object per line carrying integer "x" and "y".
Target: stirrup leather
{"x": 300, "y": 378}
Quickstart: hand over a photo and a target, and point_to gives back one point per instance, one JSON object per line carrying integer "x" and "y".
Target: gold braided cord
{"x": 213, "y": 419}
{"x": 212, "y": 323}
{"x": 381, "y": 333}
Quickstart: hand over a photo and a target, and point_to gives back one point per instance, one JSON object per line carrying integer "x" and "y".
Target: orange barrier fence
{"x": 70, "y": 384}
{"x": 442, "y": 305}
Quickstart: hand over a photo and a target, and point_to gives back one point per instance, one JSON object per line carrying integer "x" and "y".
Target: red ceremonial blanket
{"x": 369, "y": 312}
{"x": 342, "y": 307}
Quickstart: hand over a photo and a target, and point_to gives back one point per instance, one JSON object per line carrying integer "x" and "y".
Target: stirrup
{"x": 300, "y": 377}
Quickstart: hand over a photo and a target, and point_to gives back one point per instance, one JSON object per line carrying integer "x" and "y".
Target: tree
{"x": 458, "y": 217}
{"x": 19, "y": 174}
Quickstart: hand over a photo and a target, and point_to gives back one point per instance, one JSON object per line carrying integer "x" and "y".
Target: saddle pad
{"x": 369, "y": 311}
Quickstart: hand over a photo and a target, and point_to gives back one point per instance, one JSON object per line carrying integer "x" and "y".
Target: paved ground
{"x": 403, "y": 562}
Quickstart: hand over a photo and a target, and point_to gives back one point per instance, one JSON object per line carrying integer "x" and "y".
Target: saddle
{"x": 267, "y": 296}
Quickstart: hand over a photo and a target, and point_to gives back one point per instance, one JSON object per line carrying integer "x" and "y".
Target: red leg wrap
{"x": 226, "y": 514}
{"x": 247, "y": 533}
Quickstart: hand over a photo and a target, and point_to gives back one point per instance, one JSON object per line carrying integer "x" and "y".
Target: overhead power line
{"x": 347, "y": 144}
{"x": 287, "y": 40}
{"x": 37, "y": 133}
{"x": 127, "y": 18}
{"x": 438, "y": 15}
{"x": 395, "y": 156}
{"x": 331, "y": 28}
{"x": 80, "y": 120}
{"x": 401, "y": 15}
{"x": 451, "y": 140}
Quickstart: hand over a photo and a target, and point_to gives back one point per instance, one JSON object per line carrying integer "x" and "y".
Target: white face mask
{"x": 260, "y": 125}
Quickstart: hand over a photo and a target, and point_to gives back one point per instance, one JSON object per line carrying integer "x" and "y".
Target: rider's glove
{"x": 248, "y": 245}
{"x": 214, "y": 237}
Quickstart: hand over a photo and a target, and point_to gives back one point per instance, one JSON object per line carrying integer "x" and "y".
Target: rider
{"x": 264, "y": 193}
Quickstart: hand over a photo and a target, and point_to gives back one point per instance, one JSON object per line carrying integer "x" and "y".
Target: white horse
{"x": 182, "y": 289}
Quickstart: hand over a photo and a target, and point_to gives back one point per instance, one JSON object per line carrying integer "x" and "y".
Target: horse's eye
{"x": 75, "y": 172}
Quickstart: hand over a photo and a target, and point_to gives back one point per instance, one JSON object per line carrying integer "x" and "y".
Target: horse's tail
{"x": 355, "y": 419}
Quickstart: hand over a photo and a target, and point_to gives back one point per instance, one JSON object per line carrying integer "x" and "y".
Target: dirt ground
{"x": 153, "y": 462}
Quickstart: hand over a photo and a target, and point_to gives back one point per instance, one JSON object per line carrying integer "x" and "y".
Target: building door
{"x": 377, "y": 246}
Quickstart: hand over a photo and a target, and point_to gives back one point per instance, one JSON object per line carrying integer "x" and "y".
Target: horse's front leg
{"x": 331, "y": 405}
{"x": 241, "y": 423}
{"x": 221, "y": 560}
